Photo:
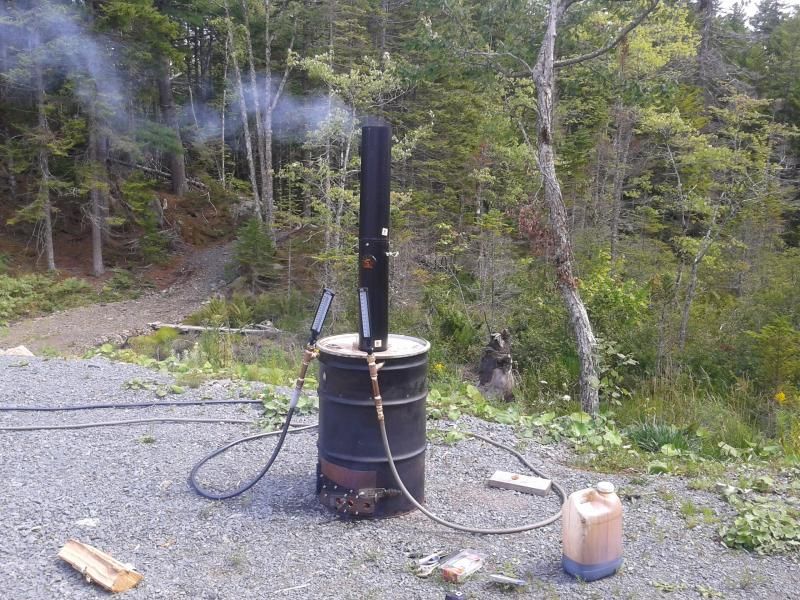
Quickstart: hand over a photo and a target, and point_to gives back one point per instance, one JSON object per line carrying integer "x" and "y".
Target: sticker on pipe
{"x": 368, "y": 262}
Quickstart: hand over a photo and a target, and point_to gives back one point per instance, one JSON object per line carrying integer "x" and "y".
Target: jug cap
{"x": 605, "y": 487}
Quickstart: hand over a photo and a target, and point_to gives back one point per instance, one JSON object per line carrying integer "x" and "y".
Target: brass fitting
{"x": 309, "y": 354}
{"x": 376, "y": 390}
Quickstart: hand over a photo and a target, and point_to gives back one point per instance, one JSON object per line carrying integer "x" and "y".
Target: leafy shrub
{"x": 122, "y": 285}
{"x": 157, "y": 345}
{"x": 763, "y": 527}
{"x": 33, "y": 294}
{"x": 652, "y": 436}
{"x": 777, "y": 352}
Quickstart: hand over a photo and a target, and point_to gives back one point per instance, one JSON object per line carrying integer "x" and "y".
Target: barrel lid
{"x": 605, "y": 487}
{"x": 399, "y": 346}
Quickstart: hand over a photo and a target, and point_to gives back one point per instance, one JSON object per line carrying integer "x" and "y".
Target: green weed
{"x": 29, "y": 295}
{"x": 652, "y": 436}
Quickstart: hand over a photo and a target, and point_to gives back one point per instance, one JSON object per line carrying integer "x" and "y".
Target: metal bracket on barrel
{"x": 355, "y": 502}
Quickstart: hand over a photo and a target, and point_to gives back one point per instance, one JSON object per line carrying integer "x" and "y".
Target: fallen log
{"x": 268, "y": 331}
{"x": 98, "y": 567}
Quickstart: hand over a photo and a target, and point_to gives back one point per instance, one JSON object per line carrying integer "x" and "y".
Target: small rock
{"x": 18, "y": 351}
{"x": 87, "y": 522}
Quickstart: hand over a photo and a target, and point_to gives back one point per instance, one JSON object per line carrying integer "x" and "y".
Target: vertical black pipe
{"x": 373, "y": 230}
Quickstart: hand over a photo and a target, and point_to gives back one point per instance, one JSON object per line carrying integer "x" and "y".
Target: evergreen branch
{"x": 611, "y": 45}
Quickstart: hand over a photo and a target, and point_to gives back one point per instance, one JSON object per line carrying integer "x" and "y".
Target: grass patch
{"x": 123, "y": 285}
{"x": 652, "y": 436}
{"x": 157, "y": 345}
{"x": 29, "y": 295}
{"x": 289, "y": 313}
{"x": 695, "y": 515}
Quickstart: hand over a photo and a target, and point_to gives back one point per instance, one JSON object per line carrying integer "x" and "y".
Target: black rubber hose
{"x": 17, "y": 408}
{"x": 123, "y": 422}
{"x": 211, "y": 495}
{"x": 497, "y": 531}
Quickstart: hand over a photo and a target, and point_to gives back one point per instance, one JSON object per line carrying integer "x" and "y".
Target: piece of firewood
{"x": 264, "y": 330}
{"x": 520, "y": 483}
{"x": 98, "y": 567}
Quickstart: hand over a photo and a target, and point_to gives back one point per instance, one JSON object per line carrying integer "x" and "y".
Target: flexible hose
{"x": 211, "y": 495}
{"x": 124, "y": 422}
{"x": 18, "y": 408}
{"x": 373, "y": 368}
{"x": 308, "y": 355}
{"x": 496, "y": 531}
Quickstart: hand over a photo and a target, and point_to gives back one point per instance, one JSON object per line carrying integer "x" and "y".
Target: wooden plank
{"x": 268, "y": 331}
{"x": 521, "y": 483}
{"x": 98, "y": 567}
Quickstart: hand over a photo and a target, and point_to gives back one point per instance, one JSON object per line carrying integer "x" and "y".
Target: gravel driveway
{"x": 74, "y": 331}
{"x": 124, "y": 490}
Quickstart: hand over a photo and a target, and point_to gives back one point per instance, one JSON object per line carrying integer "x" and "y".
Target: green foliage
{"x": 652, "y": 436}
{"x": 288, "y": 313}
{"x": 763, "y": 527}
{"x": 777, "y": 353}
{"x": 277, "y": 405}
{"x": 615, "y": 304}
{"x": 157, "y": 345}
{"x": 122, "y": 285}
{"x": 254, "y": 254}
{"x": 34, "y": 294}
{"x": 139, "y": 194}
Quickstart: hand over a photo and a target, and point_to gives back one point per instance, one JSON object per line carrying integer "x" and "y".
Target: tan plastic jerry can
{"x": 592, "y": 532}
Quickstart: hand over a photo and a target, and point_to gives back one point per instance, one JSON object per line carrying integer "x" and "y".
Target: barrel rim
{"x": 346, "y": 346}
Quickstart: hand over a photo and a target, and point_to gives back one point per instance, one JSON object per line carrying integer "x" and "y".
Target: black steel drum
{"x": 353, "y": 475}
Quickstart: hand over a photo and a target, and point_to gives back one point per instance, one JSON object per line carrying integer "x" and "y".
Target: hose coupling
{"x": 376, "y": 390}
{"x": 309, "y": 354}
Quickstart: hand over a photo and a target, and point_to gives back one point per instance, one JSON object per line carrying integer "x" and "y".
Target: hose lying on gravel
{"x": 498, "y": 531}
{"x": 373, "y": 369}
{"x": 206, "y": 493}
{"x": 17, "y": 408}
{"x": 124, "y": 422}
{"x": 286, "y": 429}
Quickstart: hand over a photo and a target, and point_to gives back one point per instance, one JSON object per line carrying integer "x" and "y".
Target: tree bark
{"x": 96, "y": 192}
{"x": 260, "y": 140}
{"x": 544, "y": 77}
{"x": 177, "y": 166}
{"x": 705, "y": 245}
{"x": 222, "y": 176}
{"x": 707, "y": 12}
{"x": 245, "y": 123}
{"x": 44, "y": 172}
{"x": 622, "y": 143}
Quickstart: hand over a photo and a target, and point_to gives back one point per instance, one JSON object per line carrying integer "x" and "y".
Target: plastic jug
{"x": 592, "y": 533}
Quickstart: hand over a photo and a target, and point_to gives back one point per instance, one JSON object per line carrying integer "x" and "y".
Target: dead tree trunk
{"x": 543, "y": 75}
{"x": 248, "y": 142}
{"x": 260, "y": 143}
{"x": 271, "y": 100}
{"x": 544, "y": 78}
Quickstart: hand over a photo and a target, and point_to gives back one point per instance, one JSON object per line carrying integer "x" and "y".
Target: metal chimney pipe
{"x": 373, "y": 231}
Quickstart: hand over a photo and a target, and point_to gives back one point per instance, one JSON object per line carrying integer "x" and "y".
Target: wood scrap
{"x": 521, "y": 483}
{"x": 261, "y": 330}
{"x": 98, "y": 567}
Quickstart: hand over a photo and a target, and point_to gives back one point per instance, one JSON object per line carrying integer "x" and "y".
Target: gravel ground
{"x": 72, "y": 332}
{"x": 124, "y": 490}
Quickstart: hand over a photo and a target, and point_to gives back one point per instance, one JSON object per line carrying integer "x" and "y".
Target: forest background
{"x": 131, "y": 128}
